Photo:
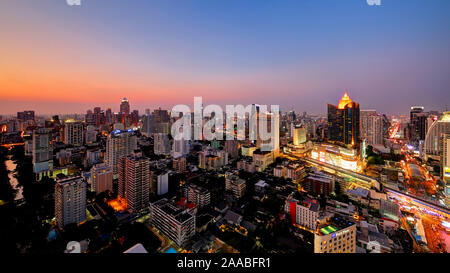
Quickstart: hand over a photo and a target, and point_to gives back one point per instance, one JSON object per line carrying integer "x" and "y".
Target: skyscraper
{"x": 125, "y": 107}
{"x": 371, "y": 127}
{"x": 42, "y": 150}
{"x": 343, "y": 122}
{"x": 433, "y": 140}
{"x": 118, "y": 144}
{"x": 102, "y": 178}
{"x": 73, "y": 133}
{"x": 70, "y": 200}
{"x": 134, "y": 180}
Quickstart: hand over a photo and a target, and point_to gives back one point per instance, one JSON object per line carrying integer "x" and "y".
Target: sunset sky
{"x": 301, "y": 54}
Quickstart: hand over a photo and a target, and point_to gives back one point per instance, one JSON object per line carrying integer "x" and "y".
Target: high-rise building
{"x": 102, "y": 178}
{"x": 73, "y": 133}
{"x": 180, "y": 148}
{"x": 343, "y": 122}
{"x": 134, "y": 180}
{"x": 445, "y": 161}
{"x": 173, "y": 220}
{"x": 161, "y": 144}
{"x": 42, "y": 150}
{"x": 70, "y": 200}
{"x": 162, "y": 183}
{"x": 118, "y": 144}
{"x": 371, "y": 127}
{"x": 433, "y": 140}
{"x": 418, "y": 123}
{"x": 299, "y": 135}
{"x": 125, "y": 107}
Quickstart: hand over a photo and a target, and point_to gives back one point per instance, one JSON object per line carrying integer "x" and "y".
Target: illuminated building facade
{"x": 343, "y": 122}
{"x": 335, "y": 235}
{"x": 173, "y": 220}
{"x": 304, "y": 213}
{"x": 336, "y": 155}
{"x": 102, "y": 178}
{"x": 134, "y": 180}
{"x": 119, "y": 143}
{"x": 433, "y": 141}
{"x": 70, "y": 200}
{"x": 73, "y": 133}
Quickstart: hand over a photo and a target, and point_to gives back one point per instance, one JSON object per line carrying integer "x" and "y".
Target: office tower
{"x": 235, "y": 184}
{"x": 42, "y": 150}
{"x": 109, "y": 118}
{"x": 299, "y": 137}
{"x": 161, "y": 144}
{"x": 134, "y": 180}
{"x": 343, "y": 122}
{"x": 197, "y": 195}
{"x": 90, "y": 118}
{"x": 271, "y": 123}
{"x": 162, "y": 116}
{"x": 418, "y": 123}
{"x": 25, "y": 115}
{"x": 162, "y": 182}
{"x": 134, "y": 117}
{"x": 73, "y": 133}
{"x": 433, "y": 140}
{"x": 102, "y": 178}
{"x": 304, "y": 213}
{"x": 371, "y": 127}
{"x": 173, "y": 220}
{"x": 70, "y": 200}
{"x": 118, "y": 144}
{"x": 125, "y": 107}
{"x": 335, "y": 235}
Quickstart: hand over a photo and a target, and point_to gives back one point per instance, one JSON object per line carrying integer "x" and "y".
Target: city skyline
{"x": 288, "y": 54}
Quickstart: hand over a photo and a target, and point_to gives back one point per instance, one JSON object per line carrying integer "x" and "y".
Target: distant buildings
{"x": 343, "y": 122}
{"x": 174, "y": 221}
{"x": 25, "y": 115}
{"x": 212, "y": 159}
{"x": 70, "y": 200}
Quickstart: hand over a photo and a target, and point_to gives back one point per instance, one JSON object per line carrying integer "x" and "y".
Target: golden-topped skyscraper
{"x": 343, "y": 122}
